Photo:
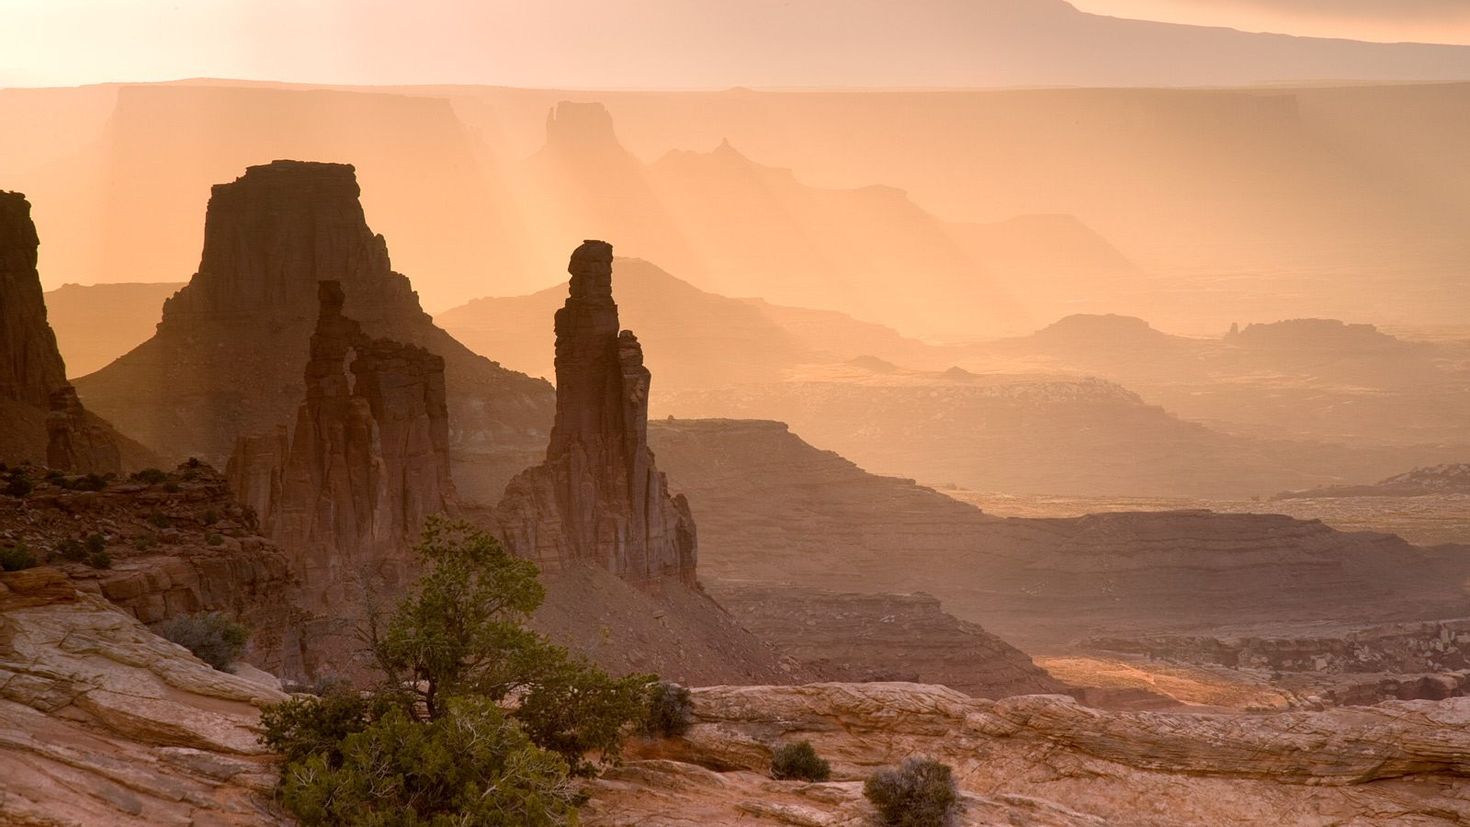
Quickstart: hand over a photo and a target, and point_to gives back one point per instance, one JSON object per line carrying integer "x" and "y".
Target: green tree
{"x": 470, "y": 767}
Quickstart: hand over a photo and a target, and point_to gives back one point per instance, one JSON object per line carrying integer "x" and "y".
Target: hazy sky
{"x": 581, "y": 43}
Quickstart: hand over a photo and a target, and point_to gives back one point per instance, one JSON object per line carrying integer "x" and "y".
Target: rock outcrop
{"x": 102, "y": 722}
{"x": 43, "y": 420}
{"x": 598, "y": 497}
{"x": 1045, "y": 760}
{"x": 226, "y": 357}
{"x": 854, "y": 637}
{"x": 175, "y": 544}
{"x": 367, "y": 463}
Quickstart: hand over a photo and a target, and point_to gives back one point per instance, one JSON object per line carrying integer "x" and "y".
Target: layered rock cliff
{"x": 43, "y": 420}
{"x": 599, "y": 497}
{"x": 367, "y": 463}
{"x": 225, "y": 359}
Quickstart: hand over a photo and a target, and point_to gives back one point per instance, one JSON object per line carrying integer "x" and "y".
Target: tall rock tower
{"x": 227, "y": 355}
{"x": 598, "y": 497}
{"x": 41, "y": 418}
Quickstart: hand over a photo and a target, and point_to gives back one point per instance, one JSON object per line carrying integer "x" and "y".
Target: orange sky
{"x": 596, "y": 43}
{"x": 1426, "y": 21}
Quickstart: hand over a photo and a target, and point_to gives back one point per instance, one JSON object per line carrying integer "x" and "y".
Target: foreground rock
{"x": 1046, "y": 760}
{"x": 41, "y": 418}
{"x": 102, "y": 722}
{"x": 599, "y": 497}
{"x": 226, "y": 358}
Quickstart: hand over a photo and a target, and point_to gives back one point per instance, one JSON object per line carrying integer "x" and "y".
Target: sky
{"x": 565, "y": 43}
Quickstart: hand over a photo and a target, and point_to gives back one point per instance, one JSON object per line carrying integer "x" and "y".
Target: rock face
{"x": 368, "y": 462}
{"x": 1045, "y": 760}
{"x": 598, "y": 496}
{"x": 102, "y": 722}
{"x": 225, "y": 359}
{"x": 176, "y": 546}
{"x": 883, "y": 637}
{"x": 33, "y": 387}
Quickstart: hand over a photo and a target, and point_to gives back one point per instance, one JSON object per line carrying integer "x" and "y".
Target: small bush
{"x": 214, "y": 539}
{"x": 303, "y": 726}
{"x": 145, "y": 542}
{"x": 159, "y": 520}
{"x": 16, "y": 557}
{"x": 99, "y": 560}
{"x": 669, "y": 712}
{"x": 72, "y": 550}
{"x": 212, "y": 637}
{"x": 90, "y": 482}
{"x": 920, "y": 792}
{"x": 18, "y": 485}
{"x": 149, "y": 476}
{"x": 799, "y": 762}
{"x": 96, "y": 543}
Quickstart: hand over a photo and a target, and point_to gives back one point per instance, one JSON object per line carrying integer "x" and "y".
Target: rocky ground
{"x": 1045, "y": 760}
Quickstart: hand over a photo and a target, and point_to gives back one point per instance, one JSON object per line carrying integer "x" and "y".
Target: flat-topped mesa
{"x": 41, "y": 420}
{"x": 598, "y": 497}
{"x": 367, "y": 463}
{"x": 273, "y": 233}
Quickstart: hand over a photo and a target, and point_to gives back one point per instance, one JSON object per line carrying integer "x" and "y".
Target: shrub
{"x": 669, "y": 710}
{"x": 145, "y": 542}
{"x": 574, "y": 708}
{"x": 149, "y": 476}
{"x": 799, "y": 762}
{"x": 214, "y": 539}
{"x": 99, "y": 560}
{"x": 159, "y": 520}
{"x": 920, "y": 792}
{"x": 211, "y": 636}
{"x": 95, "y": 543}
{"x": 471, "y": 766}
{"x": 18, "y": 485}
{"x": 305, "y": 726}
{"x": 90, "y": 482}
{"x": 16, "y": 557}
{"x": 72, "y": 550}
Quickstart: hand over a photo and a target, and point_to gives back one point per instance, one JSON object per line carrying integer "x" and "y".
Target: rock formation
{"x": 1045, "y": 760}
{"x": 102, "y": 722}
{"x": 176, "y": 545}
{"x": 598, "y": 496}
{"x": 44, "y": 421}
{"x": 225, "y": 359}
{"x": 367, "y": 463}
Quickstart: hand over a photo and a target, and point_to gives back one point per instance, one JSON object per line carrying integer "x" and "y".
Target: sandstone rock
{"x": 33, "y": 387}
{"x": 226, "y": 358}
{"x": 102, "y": 722}
{"x": 1046, "y": 760}
{"x": 598, "y": 497}
{"x": 367, "y": 463}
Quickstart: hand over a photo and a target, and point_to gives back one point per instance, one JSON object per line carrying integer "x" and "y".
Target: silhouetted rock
{"x": 43, "y": 420}
{"x": 598, "y": 496}
{"x": 367, "y": 463}
{"x": 226, "y": 358}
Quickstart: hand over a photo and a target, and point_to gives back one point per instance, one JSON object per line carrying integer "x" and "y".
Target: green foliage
{"x": 573, "y": 708}
{"x": 668, "y": 710}
{"x": 799, "y": 762}
{"x": 920, "y": 792}
{"x": 87, "y": 482}
{"x": 145, "y": 542}
{"x": 16, "y": 557}
{"x": 469, "y": 767}
{"x": 99, "y": 560}
{"x": 459, "y": 631}
{"x": 18, "y": 484}
{"x": 149, "y": 476}
{"x": 211, "y": 636}
{"x": 72, "y": 550}
{"x": 95, "y": 543}
{"x": 213, "y": 538}
{"x": 307, "y": 726}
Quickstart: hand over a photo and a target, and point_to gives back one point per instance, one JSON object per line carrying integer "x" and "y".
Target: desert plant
{"x": 72, "y": 549}
{"x": 799, "y": 762}
{"x": 16, "y": 557}
{"x": 920, "y": 792}
{"x": 472, "y": 766}
{"x": 99, "y": 560}
{"x": 18, "y": 484}
{"x": 213, "y": 538}
{"x": 149, "y": 476}
{"x": 307, "y": 726}
{"x": 669, "y": 710}
{"x": 95, "y": 543}
{"x": 211, "y": 636}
